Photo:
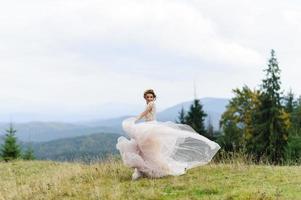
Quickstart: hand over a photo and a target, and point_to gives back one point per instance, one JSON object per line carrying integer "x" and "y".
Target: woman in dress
{"x": 156, "y": 149}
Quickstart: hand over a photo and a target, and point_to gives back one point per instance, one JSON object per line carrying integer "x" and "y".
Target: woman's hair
{"x": 149, "y": 91}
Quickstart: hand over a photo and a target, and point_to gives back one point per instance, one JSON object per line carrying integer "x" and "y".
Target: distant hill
{"x": 46, "y": 131}
{"x": 89, "y": 112}
{"x": 84, "y": 148}
{"x": 214, "y": 107}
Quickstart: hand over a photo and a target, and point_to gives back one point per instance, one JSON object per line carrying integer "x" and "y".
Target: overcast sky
{"x": 71, "y": 54}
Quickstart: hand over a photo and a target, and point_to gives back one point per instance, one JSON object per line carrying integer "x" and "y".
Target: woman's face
{"x": 149, "y": 97}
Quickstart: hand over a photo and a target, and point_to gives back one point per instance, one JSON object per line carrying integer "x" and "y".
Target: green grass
{"x": 111, "y": 180}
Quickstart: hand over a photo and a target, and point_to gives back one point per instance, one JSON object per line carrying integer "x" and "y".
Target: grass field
{"x": 111, "y": 180}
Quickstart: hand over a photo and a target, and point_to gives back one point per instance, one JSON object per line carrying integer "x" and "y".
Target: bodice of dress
{"x": 150, "y": 116}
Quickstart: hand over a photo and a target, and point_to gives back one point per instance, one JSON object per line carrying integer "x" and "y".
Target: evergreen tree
{"x": 293, "y": 149}
{"x": 289, "y": 102}
{"x": 296, "y": 116}
{"x": 271, "y": 120}
{"x": 181, "y": 118}
{"x": 10, "y": 149}
{"x": 210, "y": 128}
{"x": 196, "y": 117}
{"x": 231, "y": 138}
{"x": 28, "y": 154}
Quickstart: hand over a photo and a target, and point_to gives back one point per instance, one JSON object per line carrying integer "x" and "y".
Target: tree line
{"x": 260, "y": 122}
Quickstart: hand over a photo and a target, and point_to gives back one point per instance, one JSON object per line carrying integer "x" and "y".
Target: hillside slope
{"x": 83, "y": 148}
{"x": 46, "y": 131}
{"x": 111, "y": 180}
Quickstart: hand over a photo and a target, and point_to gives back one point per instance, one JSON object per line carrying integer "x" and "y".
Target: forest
{"x": 261, "y": 124}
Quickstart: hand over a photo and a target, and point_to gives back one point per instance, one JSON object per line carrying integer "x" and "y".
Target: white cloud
{"x": 69, "y": 54}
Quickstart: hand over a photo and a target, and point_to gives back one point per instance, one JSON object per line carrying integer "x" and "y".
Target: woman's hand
{"x": 143, "y": 114}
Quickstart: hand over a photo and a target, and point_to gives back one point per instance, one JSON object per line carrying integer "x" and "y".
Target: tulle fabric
{"x": 158, "y": 148}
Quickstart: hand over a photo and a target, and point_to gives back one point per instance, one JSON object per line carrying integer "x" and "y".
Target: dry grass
{"x": 111, "y": 180}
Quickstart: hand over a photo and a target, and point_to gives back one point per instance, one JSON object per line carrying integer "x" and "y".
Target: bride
{"x": 156, "y": 149}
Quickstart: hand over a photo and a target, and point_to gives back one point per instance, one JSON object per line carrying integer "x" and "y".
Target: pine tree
{"x": 296, "y": 116}
{"x": 10, "y": 149}
{"x": 290, "y": 104}
{"x": 271, "y": 120}
{"x": 293, "y": 150}
{"x": 181, "y": 118}
{"x": 231, "y": 138}
{"x": 196, "y": 117}
{"x": 210, "y": 128}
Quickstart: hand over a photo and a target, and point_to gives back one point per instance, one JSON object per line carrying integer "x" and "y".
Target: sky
{"x": 72, "y": 55}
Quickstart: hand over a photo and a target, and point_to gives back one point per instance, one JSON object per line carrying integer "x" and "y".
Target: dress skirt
{"x": 159, "y": 149}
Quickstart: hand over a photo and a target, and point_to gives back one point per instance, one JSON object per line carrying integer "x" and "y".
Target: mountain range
{"x": 40, "y": 131}
{"x": 82, "y": 148}
{"x": 92, "y": 140}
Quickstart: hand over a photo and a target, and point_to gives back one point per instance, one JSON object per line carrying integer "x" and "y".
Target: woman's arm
{"x": 148, "y": 109}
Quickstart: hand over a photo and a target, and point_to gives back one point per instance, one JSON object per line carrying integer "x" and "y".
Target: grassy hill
{"x": 111, "y": 180}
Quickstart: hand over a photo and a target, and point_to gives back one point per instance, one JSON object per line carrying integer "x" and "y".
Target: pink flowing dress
{"x": 159, "y": 148}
